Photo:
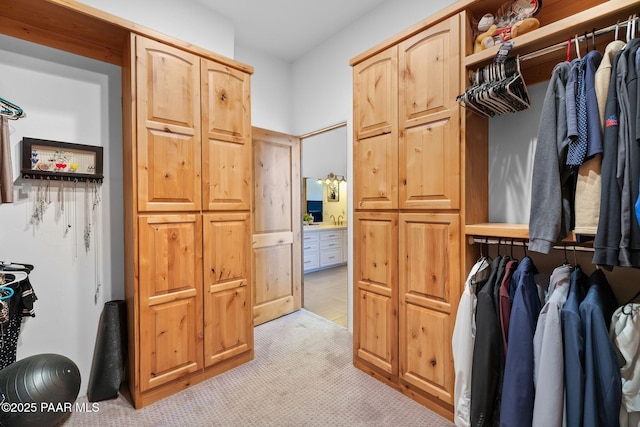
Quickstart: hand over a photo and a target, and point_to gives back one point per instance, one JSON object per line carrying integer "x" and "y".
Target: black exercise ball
{"x": 39, "y": 390}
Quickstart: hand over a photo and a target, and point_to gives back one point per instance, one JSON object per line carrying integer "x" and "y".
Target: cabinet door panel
{"x": 168, "y": 127}
{"x": 375, "y": 94}
{"x": 228, "y": 327}
{"x": 429, "y": 288}
{"x": 376, "y": 289}
{"x": 170, "y": 270}
{"x": 375, "y": 168}
{"x": 429, "y": 116}
{"x": 226, "y": 150}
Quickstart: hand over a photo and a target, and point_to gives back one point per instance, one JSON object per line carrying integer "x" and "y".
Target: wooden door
{"x": 375, "y": 332}
{"x": 429, "y": 118}
{"x": 228, "y": 313}
{"x": 375, "y": 145}
{"x": 277, "y": 219}
{"x": 429, "y": 267}
{"x": 168, "y": 127}
{"x": 170, "y": 288}
{"x": 226, "y": 136}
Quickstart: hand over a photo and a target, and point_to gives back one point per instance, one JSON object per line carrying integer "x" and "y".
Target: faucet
{"x": 334, "y": 219}
{"x": 339, "y": 222}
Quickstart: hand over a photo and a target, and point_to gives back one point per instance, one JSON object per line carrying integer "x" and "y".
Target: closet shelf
{"x": 507, "y": 231}
{"x": 599, "y": 16}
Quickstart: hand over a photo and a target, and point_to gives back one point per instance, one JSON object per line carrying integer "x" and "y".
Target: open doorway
{"x": 325, "y": 228}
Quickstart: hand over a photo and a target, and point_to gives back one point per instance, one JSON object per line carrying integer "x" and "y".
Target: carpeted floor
{"x": 302, "y": 375}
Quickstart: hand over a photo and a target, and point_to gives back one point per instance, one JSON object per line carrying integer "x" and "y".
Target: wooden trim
{"x": 323, "y": 130}
{"x": 83, "y": 30}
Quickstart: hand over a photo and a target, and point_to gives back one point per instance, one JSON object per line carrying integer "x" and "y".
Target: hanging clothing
{"x": 577, "y": 114}
{"x": 548, "y": 356}
{"x": 20, "y": 305}
{"x": 607, "y": 241}
{"x": 552, "y": 186}
{"x": 6, "y": 172}
{"x": 603, "y": 77}
{"x": 603, "y": 387}
{"x": 517, "y": 388}
{"x": 625, "y": 324}
{"x": 505, "y": 302}
{"x": 486, "y": 354}
{"x": 628, "y": 155}
{"x": 573, "y": 346}
{"x": 463, "y": 340}
{"x": 587, "y": 198}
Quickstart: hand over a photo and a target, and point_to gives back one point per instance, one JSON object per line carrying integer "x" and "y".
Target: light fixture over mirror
{"x": 332, "y": 179}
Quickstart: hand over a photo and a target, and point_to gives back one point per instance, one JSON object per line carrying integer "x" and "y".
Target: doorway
{"x": 325, "y": 241}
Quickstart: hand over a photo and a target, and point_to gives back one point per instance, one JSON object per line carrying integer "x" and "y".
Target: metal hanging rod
{"x": 521, "y": 243}
{"x": 582, "y": 38}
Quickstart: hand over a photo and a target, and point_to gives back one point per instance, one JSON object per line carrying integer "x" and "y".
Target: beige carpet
{"x": 302, "y": 375}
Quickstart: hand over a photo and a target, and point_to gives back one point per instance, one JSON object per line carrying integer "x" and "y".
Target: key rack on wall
{"x": 61, "y": 161}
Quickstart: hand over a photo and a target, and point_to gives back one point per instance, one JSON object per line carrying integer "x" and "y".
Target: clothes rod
{"x": 582, "y": 38}
{"x": 521, "y": 243}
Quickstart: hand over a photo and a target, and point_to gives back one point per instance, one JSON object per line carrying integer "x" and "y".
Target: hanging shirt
{"x": 628, "y": 155}
{"x": 486, "y": 354}
{"x": 587, "y": 198}
{"x": 602, "y": 387}
{"x": 552, "y": 184}
{"x": 548, "y": 356}
{"x": 603, "y": 76}
{"x": 464, "y": 335}
{"x": 517, "y": 389}
{"x": 625, "y": 324}
{"x": 505, "y": 302}
{"x": 607, "y": 241}
{"x": 573, "y": 345}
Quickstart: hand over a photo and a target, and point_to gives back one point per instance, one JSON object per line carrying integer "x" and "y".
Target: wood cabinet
{"x": 192, "y": 296}
{"x": 407, "y": 197}
{"x": 442, "y": 155}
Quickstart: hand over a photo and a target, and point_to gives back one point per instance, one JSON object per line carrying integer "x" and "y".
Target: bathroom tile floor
{"x": 325, "y": 294}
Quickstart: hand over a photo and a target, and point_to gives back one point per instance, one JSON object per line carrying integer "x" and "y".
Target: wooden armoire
{"x": 187, "y": 169}
{"x": 420, "y": 184}
{"x": 189, "y": 164}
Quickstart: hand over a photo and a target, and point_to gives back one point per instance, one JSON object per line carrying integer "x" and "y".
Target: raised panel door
{"x": 376, "y": 290}
{"x": 429, "y": 273}
{"x": 375, "y": 116}
{"x": 429, "y": 116}
{"x": 375, "y": 95}
{"x": 170, "y": 290}
{"x": 228, "y": 324}
{"x": 168, "y": 127}
{"x": 226, "y": 136}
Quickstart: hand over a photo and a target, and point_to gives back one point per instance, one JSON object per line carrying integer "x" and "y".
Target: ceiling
{"x": 288, "y": 29}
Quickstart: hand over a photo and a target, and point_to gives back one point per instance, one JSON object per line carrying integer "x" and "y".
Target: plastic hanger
{"x": 11, "y": 110}
{"x": 18, "y": 276}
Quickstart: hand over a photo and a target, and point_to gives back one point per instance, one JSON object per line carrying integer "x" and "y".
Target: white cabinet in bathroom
{"x": 323, "y": 247}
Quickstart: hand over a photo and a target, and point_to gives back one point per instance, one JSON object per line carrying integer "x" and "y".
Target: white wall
{"x": 271, "y": 91}
{"x": 70, "y": 99}
{"x": 185, "y": 20}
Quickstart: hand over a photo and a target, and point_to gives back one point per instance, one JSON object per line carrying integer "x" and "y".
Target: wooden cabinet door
{"x": 226, "y": 136}
{"x": 228, "y": 323}
{"x": 277, "y": 223}
{"x": 429, "y": 118}
{"x": 429, "y": 286}
{"x": 168, "y": 127}
{"x": 375, "y": 116}
{"x": 375, "y": 330}
{"x": 170, "y": 289}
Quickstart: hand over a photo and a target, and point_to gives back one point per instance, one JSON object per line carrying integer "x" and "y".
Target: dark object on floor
{"x": 38, "y": 390}
{"x": 109, "y": 355}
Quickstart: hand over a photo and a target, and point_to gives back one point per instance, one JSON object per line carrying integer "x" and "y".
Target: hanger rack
{"x": 582, "y": 38}
{"x": 523, "y": 243}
